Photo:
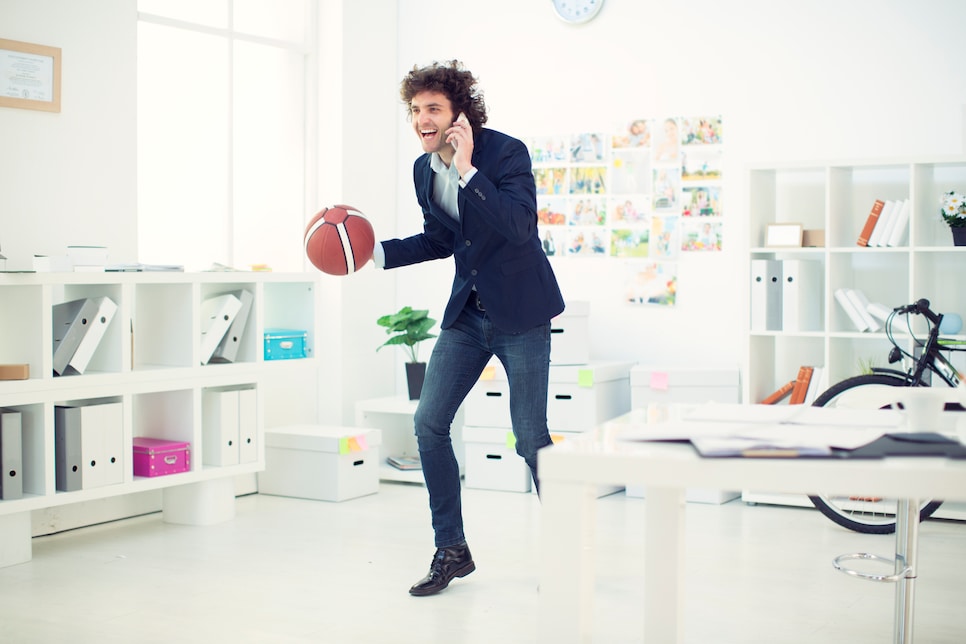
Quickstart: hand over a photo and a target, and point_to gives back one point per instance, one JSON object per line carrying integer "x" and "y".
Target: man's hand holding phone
{"x": 461, "y": 138}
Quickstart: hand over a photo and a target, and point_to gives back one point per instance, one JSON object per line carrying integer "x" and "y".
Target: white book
{"x": 890, "y": 225}
{"x": 878, "y": 311}
{"x": 861, "y": 301}
{"x": 875, "y": 239}
{"x": 841, "y": 296}
{"x": 901, "y": 226}
{"x": 816, "y": 385}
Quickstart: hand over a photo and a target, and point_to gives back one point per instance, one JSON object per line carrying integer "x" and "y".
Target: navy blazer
{"x": 494, "y": 244}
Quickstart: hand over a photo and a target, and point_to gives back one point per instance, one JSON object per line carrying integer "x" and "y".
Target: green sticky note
{"x": 344, "y": 445}
{"x": 585, "y": 377}
{"x": 511, "y": 441}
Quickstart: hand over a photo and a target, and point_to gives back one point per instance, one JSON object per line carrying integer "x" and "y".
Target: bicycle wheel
{"x": 871, "y": 515}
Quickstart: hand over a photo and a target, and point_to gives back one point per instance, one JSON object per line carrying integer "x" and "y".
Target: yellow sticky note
{"x": 354, "y": 444}
{"x": 585, "y": 377}
{"x": 511, "y": 441}
{"x": 489, "y": 372}
{"x": 659, "y": 380}
{"x": 362, "y": 442}
{"x": 343, "y": 445}
{"x": 557, "y": 438}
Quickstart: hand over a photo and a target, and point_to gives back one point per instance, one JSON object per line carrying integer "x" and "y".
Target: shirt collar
{"x": 437, "y": 165}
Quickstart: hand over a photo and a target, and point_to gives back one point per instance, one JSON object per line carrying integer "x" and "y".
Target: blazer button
{"x": 473, "y": 272}
{"x": 468, "y": 242}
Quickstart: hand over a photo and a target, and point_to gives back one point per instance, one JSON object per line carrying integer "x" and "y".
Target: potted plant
{"x": 408, "y": 328}
{"x": 954, "y": 214}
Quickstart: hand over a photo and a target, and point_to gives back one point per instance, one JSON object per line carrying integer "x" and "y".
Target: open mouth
{"x": 428, "y": 134}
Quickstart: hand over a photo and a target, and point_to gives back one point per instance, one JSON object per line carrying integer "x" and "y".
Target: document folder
{"x": 11, "y": 454}
{"x": 227, "y": 349}
{"x": 217, "y": 315}
{"x": 79, "y": 327}
{"x": 801, "y": 295}
{"x": 766, "y": 295}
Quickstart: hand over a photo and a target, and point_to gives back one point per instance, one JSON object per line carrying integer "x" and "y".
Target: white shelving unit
{"x": 836, "y": 197}
{"x": 394, "y": 416}
{"x": 149, "y": 361}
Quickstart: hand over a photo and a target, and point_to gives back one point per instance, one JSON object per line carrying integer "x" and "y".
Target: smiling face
{"x": 432, "y": 114}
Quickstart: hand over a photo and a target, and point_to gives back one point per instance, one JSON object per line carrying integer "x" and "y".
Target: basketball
{"x": 339, "y": 240}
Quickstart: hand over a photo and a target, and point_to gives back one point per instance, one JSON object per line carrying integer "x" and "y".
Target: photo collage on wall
{"x": 644, "y": 194}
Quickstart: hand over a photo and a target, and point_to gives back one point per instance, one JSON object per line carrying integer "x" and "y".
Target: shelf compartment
{"x": 22, "y": 323}
{"x": 855, "y": 355}
{"x": 932, "y": 180}
{"x": 171, "y": 415}
{"x": 852, "y": 193}
{"x": 247, "y": 343}
{"x": 109, "y": 357}
{"x": 289, "y": 305}
{"x": 786, "y": 195}
{"x": 162, "y": 326}
{"x": 882, "y": 277}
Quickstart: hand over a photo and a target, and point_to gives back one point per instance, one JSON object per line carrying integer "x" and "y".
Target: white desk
{"x": 571, "y": 471}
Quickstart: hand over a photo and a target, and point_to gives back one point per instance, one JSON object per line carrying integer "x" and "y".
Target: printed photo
{"x": 665, "y": 237}
{"x": 554, "y": 240}
{"x": 699, "y": 163}
{"x": 667, "y": 142}
{"x": 630, "y": 242}
{"x": 636, "y": 135}
{"x": 587, "y": 148}
{"x": 702, "y": 201}
{"x": 630, "y": 171}
{"x": 651, "y": 283}
{"x": 549, "y": 150}
{"x": 667, "y": 188}
{"x": 633, "y": 209}
{"x": 550, "y": 181}
{"x": 704, "y": 130}
{"x": 552, "y": 211}
{"x": 590, "y": 181}
{"x": 585, "y": 242}
{"x": 591, "y": 211}
{"x": 700, "y": 235}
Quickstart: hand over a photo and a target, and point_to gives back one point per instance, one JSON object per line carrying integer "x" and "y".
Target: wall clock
{"x": 577, "y": 11}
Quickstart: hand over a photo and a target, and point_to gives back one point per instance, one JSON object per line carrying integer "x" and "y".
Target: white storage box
{"x": 579, "y": 396}
{"x": 651, "y": 384}
{"x": 322, "y": 463}
{"x": 492, "y": 462}
{"x": 570, "y": 335}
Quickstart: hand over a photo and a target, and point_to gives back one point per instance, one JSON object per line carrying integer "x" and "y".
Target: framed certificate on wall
{"x": 29, "y": 76}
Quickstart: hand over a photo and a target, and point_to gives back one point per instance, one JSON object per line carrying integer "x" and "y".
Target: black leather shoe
{"x": 454, "y": 561}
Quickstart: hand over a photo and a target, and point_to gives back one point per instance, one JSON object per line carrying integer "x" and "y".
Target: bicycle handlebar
{"x": 920, "y": 307}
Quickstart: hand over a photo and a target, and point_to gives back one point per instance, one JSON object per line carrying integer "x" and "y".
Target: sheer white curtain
{"x": 222, "y": 134}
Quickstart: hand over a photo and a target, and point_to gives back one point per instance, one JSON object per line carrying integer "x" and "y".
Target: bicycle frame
{"x": 931, "y": 359}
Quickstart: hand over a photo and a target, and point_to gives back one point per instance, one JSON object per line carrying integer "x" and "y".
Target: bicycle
{"x": 874, "y": 515}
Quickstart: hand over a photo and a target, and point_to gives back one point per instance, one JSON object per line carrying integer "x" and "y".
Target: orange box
{"x": 14, "y": 371}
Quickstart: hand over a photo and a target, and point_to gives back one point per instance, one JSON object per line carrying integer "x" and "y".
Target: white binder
{"x": 766, "y": 295}
{"x": 220, "y": 427}
{"x": 87, "y": 446}
{"x": 227, "y": 349}
{"x": 247, "y": 426}
{"x": 79, "y": 326}
{"x": 217, "y": 314}
{"x": 11, "y": 454}
{"x": 801, "y": 295}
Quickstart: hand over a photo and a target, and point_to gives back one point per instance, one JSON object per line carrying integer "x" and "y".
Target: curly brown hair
{"x": 452, "y": 80}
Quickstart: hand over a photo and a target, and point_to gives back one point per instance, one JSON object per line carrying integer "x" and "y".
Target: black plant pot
{"x": 415, "y": 373}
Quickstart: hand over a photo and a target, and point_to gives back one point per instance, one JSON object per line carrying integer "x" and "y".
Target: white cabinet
{"x": 837, "y": 198}
{"x": 148, "y": 366}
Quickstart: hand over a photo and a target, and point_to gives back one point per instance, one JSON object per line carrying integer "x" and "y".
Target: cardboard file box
{"x": 653, "y": 384}
{"x": 320, "y": 463}
{"x": 492, "y": 462}
{"x": 159, "y": 457}
{"x": 285, "y": 344}
{"x": 570, "y": 335}
{"x": 578, "y": 398}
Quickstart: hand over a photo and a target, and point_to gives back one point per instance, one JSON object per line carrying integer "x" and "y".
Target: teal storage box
{"x": 285, "y": 344}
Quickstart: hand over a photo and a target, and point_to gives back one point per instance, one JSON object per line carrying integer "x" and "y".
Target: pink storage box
{"x": 158, "y": 457}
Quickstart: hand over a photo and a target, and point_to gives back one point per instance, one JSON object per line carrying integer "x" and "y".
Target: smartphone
{"x": 460, "y": 119}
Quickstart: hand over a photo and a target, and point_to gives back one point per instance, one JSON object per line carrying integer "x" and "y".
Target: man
{"x": 476, "y": 190}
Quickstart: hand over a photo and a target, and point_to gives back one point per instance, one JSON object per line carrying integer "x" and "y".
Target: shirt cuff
{"x": 379, "y": 255}
{"x": 469, "y": 175}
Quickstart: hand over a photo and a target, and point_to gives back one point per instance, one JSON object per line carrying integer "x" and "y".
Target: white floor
{"x": 289, "y": 570}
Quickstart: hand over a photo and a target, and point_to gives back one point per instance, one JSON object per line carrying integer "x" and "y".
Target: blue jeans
{"x": 458, "y": 359}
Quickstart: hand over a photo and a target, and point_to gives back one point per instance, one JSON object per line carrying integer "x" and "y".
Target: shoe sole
{"x": 462, "y": 572}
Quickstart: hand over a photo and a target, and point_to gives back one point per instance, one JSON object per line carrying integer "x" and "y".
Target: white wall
{"x": 813, "y": 80}
{"x": 71, "y": 177}
{"x": 817, "y": 80}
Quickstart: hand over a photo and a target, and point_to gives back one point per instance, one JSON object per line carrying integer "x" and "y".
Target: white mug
{"x": 923, "y": 407}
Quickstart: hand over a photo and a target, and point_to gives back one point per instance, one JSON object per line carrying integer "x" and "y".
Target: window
{"x": 222, "y": 136}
